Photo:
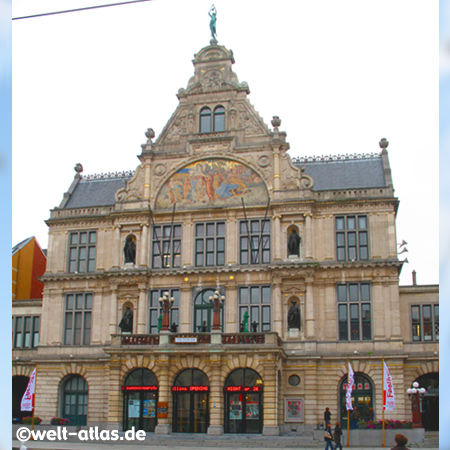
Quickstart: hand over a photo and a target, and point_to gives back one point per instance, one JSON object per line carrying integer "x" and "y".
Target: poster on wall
{"x": 134, "y": 407}
{"x": 293, "y": 411}
{"x": 235, "y": 410}
{"x": 149, "y": 409}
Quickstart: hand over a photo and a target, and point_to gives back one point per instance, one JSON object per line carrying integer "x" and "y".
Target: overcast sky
{"x": 341, "y": 75}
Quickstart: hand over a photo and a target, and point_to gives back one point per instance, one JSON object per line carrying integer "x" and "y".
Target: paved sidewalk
{"x": 140, "y": 446}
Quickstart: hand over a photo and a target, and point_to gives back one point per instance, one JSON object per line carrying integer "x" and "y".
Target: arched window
{"x": 219, "y": 118}
{"x": 75, "y": 400}
{"x": 203, "y": 311}
{"x": 205, "y": 120}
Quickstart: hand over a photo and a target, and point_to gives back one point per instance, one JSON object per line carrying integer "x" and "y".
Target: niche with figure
{"x": 293, "y": 242}
{"x": 294, "y": 315}
{"x": 129, "y": 249}
{"x": 126, "y": 322}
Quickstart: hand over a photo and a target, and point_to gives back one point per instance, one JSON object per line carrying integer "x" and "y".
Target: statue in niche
{"x": 294, "y": 243}
{"x": 129, "y": 250}
{"x": 294, "y": 316}
{"x": 126, "y": 324}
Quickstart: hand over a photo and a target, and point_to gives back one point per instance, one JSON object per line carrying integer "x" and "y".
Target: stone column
{"x": 115, "y": 397}
{"x": 309, "y": 309}
{"x": 117, "y": 251}
{"x": 147, "y": 178}
{"x": 113, "y": 311}
{"x": 144, "y": 246}
{"x": 142, "y": 309}
{"x": 185, "y": 312}
{"x": 164, "y": 395}
{"x": 276, "y": 168}
{"x": 232, "y": 247}
{"x": 277, "y": 305}
{"x": 308, "y": 237}
{"x": 270, "y": 427}
{"x": 215, "y": 398}
{"x": 277, "y": 252}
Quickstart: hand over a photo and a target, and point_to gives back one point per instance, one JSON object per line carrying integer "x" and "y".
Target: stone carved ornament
{"x": 134, "y": 187}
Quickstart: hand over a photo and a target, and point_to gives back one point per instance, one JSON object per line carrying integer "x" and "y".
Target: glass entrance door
{"x": 244, "y": 412}
{"x": 140, "y": 410}
{"x": 190, "y": 412}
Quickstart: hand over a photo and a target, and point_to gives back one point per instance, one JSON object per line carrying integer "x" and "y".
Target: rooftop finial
{"x": 212, "y": 24}
{"x": 384, "y": 143}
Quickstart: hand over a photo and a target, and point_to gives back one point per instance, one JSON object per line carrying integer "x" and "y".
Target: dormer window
{"x": 212, "y": 122}
{"x": 219, "y": 118}
{"x": 205, "y": 120}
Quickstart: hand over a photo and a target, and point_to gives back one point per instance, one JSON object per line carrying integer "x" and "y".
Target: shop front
{"x": 140, "y": 397}
{"x": 243, "y": 394}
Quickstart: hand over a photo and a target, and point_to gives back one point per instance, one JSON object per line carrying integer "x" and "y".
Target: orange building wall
{"x": 28, "y": 264}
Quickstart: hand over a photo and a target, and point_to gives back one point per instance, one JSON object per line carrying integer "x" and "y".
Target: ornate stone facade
{"x": 211, "y": 207}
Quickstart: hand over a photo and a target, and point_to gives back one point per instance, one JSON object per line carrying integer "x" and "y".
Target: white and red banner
{"x": 350, "y": 381}
{"x": 388, "y": 391}
{"x": 27, "y": 402}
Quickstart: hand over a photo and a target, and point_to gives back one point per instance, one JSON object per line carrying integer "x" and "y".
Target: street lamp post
{"x": 416, "y": 394}
{"x": 216, "y": 300}
{"x": 166, "y": 303}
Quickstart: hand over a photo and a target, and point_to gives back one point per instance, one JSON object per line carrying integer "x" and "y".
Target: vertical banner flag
{"x": 350, "y": 381}
{"x": 388, "y": 391}
{"x": 27, "y": 400}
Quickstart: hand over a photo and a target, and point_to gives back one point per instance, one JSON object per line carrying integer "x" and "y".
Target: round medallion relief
{"x": 160, "y": 169}
{"x": 263, "y": 161}
{"x": 294, "y": 380}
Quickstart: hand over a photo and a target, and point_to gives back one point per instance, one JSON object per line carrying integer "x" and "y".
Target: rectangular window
{"x": 26, "y": 331}
{"x": 425, "y": 323}
{"x": 82, "y": 251}
{"x": 354, "y": 311}
{"x": 256, "y": 301}
{"x": 78, "y": 319}
{"x": 166, "y": 245}
{"x": 352, "y": 243}
{"x": 210, "y": 244}
{"x": 155, "y": 308}
{"x": 254, "y": 240}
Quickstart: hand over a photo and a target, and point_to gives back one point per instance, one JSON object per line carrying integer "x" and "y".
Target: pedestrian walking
{"x": 327, "y": 416}
{"x": 401, "y": 442}
{"x": 328, "y": 438}
{"x": 337, "y": 435}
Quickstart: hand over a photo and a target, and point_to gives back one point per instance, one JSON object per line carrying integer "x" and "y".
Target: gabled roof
{"x": 330, "y": 173}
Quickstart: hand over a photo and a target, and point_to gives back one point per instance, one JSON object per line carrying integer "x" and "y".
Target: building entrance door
{"x": 140, "y": 397}
{"x": 243, "y": 402}
{"x": 190, "y": 402}
{"x": 190, "y": 412}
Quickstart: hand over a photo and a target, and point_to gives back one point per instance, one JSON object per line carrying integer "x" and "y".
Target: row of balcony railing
{"x": 197, "y": 338}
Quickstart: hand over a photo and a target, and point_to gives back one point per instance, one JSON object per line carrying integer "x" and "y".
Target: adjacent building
{"x": 223, "y": 286}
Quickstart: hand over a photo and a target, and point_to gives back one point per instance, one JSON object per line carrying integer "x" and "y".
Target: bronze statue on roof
{"x": 212, "y": 23}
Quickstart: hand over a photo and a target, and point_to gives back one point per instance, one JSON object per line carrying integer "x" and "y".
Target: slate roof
{"x": 95, "y": 192}
{"x": 348, "y": 173}
{"x": 328, "y": 173}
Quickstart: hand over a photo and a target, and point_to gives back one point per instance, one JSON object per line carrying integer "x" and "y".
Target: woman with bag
{"x": 328, "y": 438}
{"x": 337, "y": 435}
